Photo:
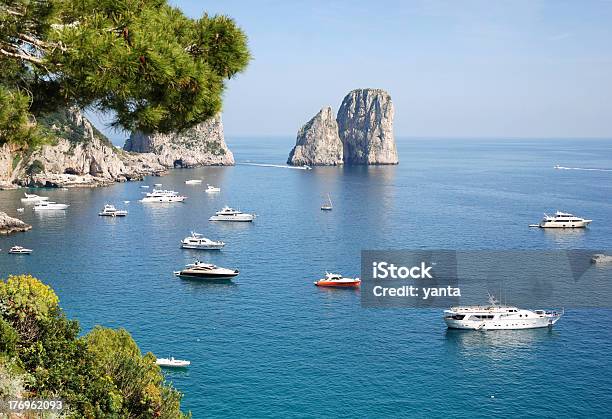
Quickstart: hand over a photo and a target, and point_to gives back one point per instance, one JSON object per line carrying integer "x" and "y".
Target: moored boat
{"x": 193, "y": 182}
{"x": 499, "y": 317}
{"x": 49, "y": 206}
{"x": 563, "y": 220}
{"x": 18, "y": 250}
{"x": 199, "y": 242}
{"x": 337, "y": 280}
{"x": 230, "y": 214}
{"x": 163, "y": 196}
{"x": 212, "y": 189}
{"x": 33, "y": 198}
{"x": 601, "y": 258}
{"x": 172, "y": 362}
{"x": 111, "y": 211}
{"x": 207, "y": 271}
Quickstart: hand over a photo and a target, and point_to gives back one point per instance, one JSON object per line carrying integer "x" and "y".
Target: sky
{"x": 454, "y": 68}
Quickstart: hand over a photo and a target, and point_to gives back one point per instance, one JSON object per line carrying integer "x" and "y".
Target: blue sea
{"x": 273, "y": 344}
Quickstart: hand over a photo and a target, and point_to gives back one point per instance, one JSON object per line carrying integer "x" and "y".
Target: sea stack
{"x": 201, "y": 145}
{"x": 365, "y": 126}
{"x": 318, "y": 143}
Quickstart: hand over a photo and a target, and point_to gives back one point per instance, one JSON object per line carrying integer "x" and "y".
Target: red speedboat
{"x": 336, "y": 280}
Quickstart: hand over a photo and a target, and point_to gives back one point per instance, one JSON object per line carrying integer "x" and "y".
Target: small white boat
{"x": 207, "y": 271}
{"x": 164, "y": 196}
{"x": 327, "y": 206}
{"x": 601, "y": 258}
{"x": 144, "y": 186}
{"x": 212, "y": 189}
{"x": 157, "y": 185}
{"x": 337, "y": 281}
{"x": 33, "y": 198}
{"x": 193, "y": 182}
{"x": 126, "y": 202}
{"x": 230, "y": 214}
{"x": 199, "y": 242}
{"x": 49, "y": 206}
{"x": 18, "y": 250}
{"x": 563, "y": 220}
{"x": 172, "y": 363}
{"x": 20, "y": 209}
{"x": 111, "y": 211}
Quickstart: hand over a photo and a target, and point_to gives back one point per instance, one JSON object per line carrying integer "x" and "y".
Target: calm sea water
{"x": 273, "y": 344}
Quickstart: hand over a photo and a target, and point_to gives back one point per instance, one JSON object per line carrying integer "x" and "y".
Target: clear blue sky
{"x": 454, "y": 68}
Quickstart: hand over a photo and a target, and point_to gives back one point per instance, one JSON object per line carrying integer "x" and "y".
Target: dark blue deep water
{"x": 273, "y": 344}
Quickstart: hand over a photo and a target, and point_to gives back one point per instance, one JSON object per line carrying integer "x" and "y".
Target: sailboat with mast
{"x": 327, "y": 205}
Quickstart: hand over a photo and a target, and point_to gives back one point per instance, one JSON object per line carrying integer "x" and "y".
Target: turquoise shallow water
{"x": 272, "y": 344}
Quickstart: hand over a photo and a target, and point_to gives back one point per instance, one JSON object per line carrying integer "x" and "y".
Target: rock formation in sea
{"x": 10, "y": 225}
{"x": 365, "y": 125}
{"x": 318, "y": 143}
{"x": 202, "y": 145}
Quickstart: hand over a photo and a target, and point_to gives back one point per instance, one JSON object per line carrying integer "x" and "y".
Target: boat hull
{"x": 568, "y": 224}
{"x": 202, "y": 247}
{"x": 207, "y": 276}
{"x": 335, "y": 284}
{"x": 511, "y": 324}
{"x": 232, "y": 218}
{"x": 164, "y": 199}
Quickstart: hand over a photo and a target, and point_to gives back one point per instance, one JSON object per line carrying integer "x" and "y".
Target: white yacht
{"x": 230, "y": 214}
{"x": 212, "y": 189}
{"x": 498, "y": 317}
{"x": 199, "y": 242}
{"x": 563, "y": 220}
{"x": 159, "y": 195}
{"x": 18, "y": 250}
{"x": 20, "y": 209}
{"x": 601, "y": 258}
{"x": 33, "y": 198}
{"x": 193, "y": 182}
{"x": 49, "y": 206}
{"x": 207, "y": 271}
{"x": 111, "y": 211}
{"x": 172, "y": 363}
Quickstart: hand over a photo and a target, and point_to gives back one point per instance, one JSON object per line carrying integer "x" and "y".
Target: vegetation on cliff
{"x": 100, "y": 374}
{"x": 154, "y": 68}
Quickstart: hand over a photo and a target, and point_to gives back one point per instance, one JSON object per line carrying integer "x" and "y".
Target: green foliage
{"x": 101, "y": 374}
{"x": 144, "y": 60}
{"x": 35, "y": 168}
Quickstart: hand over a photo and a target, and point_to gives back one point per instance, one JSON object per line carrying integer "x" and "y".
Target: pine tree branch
{"x": 22, "y": 56}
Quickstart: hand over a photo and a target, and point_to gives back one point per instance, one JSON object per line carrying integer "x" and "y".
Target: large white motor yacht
{"x": 111, "y": 211}
{"x": 498, "y": 317}
{"x": 159, "y": 195}
{"x": 48, "y": 206}
{"x": 33, "y": 198}
{"x": 198, "y": 241}
{"x": 230, "y": 214}
{"x": 563, "y": 220}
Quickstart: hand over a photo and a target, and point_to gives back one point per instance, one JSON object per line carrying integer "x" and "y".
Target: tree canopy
{"x": 101, "y": 374}
{"x": 156, "y": 69}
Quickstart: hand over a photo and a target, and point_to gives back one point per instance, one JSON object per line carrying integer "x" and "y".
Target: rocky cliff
{"x": 10, "y": 225}
{"x": 79, "y": 155}
{"x": 202, "y": 145}
{"x": 318, "y": 143}
{"x": 365, "y": 125}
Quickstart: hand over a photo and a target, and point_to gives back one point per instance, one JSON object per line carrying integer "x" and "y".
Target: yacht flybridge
{"x": 33, "y": 198}
{"x": 563, "y": 220}
{"x": 231, "y": 214}
{"x": 498, "y": 317}
{"x": 49, "y": 206}
{"x": 111, "y": 211}
{"x": 159, "y": 195}
{"x": 199, "y": 242}
{"x": 336, "y": 280}
{"x": 207, "y": 271}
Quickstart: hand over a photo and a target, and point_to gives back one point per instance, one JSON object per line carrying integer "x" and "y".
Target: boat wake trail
{"x": 589, "y": 169}
{"x": 282, "y": 166}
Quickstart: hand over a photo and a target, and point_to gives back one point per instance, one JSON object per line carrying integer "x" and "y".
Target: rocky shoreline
{"x": 81, "y": 156}
{"x": 9, "y": 225}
